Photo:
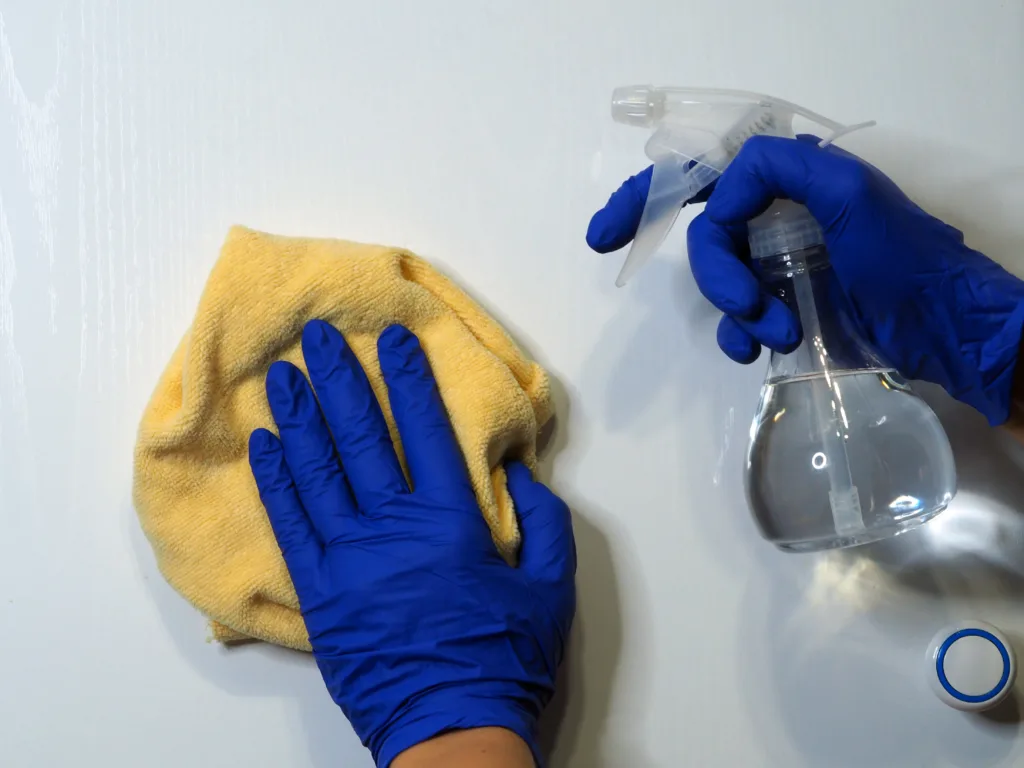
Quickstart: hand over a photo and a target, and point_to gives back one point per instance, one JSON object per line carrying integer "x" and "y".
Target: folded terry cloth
{"x": 193, "y": 490}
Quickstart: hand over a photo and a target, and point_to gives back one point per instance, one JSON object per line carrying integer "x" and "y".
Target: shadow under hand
{"x": 571, "y": 727}
{"x": 577, "y": 715}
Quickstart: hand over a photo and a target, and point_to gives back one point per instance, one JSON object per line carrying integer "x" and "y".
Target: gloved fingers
{"x": 549, "y": 548}
{"x": 353, "y": 415}
{"x": 769, "y": 167}
{"x": 718, "y": 260}
{"x": 776, "y": 327}
{"x": 292, "y": 528}
{"x": 718, "y": 256}
{"x": 614, "y": 225}
{"x": 737, "y": 344}
{"x": 309, "y": 451}
{"x": 432, "y": 453}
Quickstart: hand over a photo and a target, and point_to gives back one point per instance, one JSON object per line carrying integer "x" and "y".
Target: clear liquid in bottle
{"x": 898, "y": 455}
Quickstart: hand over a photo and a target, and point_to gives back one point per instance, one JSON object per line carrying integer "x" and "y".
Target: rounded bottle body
{"x": 842, "y": 451}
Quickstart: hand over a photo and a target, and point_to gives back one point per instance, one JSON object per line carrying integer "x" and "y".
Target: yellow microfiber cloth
{"x": 193, "y": 490}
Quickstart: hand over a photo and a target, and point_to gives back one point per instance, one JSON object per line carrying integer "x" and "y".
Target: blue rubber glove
{"x": 417, "y": 624}
{"x": 934, "y": 308}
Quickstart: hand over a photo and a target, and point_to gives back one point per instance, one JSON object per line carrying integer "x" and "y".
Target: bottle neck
{"x": 783, "y": 267}
{"x": 805, "y": 282}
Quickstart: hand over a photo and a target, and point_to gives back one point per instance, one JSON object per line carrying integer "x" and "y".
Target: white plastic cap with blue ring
{"x": 971, "y": 666}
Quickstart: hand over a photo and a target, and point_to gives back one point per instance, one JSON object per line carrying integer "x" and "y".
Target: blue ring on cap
{"x": 941, "y": 658}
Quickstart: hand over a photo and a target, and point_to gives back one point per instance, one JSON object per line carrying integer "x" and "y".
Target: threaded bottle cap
{"x": 786, "y": 227}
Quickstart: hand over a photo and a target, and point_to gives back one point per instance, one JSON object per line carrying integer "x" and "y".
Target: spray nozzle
{"x": 638, "y": 105}
{"x": 697, "y": 133}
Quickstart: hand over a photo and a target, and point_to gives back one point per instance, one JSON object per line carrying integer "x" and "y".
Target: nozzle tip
{"x": 639, "y": 105}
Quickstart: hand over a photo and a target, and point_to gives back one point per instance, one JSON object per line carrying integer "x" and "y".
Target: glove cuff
{"x": 1002, "y": 353}
{"x": 458, "y": 709}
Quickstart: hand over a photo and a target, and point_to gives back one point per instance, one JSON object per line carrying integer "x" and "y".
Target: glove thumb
{"x": 548, "y": 551}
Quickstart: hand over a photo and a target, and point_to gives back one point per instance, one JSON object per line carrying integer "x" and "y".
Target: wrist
{"x": 457, "y": 709}
{"x": 473, "y": 748}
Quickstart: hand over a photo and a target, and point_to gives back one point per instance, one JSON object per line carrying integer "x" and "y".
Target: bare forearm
{"x": 474, "y": 748}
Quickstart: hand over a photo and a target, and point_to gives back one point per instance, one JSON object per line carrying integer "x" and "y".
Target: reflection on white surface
{"x": 972, "y": 525}
{"x": 837, "y": 579}
{"x": 975, "y": 548}
{"x": 975, "y": 545}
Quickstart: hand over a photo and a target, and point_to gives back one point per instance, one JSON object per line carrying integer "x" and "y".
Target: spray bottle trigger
{"x": 669, "y": 192}
{"x": 843, "y": 130}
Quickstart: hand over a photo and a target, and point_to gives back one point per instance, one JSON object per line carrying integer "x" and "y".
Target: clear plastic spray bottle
{"x": 842, "y": 451}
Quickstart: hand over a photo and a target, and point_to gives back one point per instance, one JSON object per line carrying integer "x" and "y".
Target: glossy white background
{"x": 476, "y": 132}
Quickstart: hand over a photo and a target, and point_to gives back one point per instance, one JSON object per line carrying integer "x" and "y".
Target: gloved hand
{"x": 934, "y": 308}
{"x": 417, "y": 624}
